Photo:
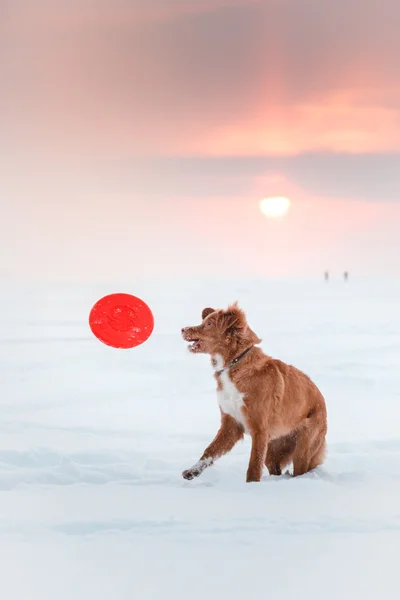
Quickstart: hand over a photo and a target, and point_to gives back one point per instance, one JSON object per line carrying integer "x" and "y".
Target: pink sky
{"x": 152, "y": 128}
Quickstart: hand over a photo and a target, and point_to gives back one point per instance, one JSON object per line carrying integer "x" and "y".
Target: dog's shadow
{"x": 317, "y": 474}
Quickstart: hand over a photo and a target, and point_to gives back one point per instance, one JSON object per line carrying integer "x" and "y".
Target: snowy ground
{"x": 93, "y": 441}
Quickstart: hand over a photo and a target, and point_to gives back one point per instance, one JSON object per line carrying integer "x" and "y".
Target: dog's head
{"x": 219, "y": 331}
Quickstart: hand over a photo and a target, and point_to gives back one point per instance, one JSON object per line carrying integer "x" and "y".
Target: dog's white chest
{"x": 229, "y": 397}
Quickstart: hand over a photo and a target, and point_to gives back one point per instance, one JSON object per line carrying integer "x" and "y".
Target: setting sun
{"x": 274, "y": 208}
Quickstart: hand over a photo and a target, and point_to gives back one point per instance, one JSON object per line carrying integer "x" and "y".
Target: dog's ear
{"x": 236, "y": 325}
{"x": 235, "y": 319}
{"x": 206, "y": 312}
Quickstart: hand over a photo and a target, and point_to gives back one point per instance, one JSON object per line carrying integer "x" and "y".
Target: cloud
{"x": 317, "y": 176}
{"x": 337, "y": 124}
{"x": 201, "y": 77}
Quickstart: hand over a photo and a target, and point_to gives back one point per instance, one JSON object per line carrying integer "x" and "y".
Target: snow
{"x": 93, "y": 441}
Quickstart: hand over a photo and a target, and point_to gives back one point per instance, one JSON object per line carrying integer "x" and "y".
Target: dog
{"x": 276, "y": 404}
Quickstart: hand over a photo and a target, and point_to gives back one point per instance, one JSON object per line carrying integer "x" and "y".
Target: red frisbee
{"x": 121, "y": 321}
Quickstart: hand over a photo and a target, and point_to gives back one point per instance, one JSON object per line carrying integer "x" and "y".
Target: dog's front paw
{"x": 252, "y": 477}
{"x": 191, "y": 474}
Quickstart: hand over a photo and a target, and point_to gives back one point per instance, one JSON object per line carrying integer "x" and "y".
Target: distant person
{"x": 326, "y": 275}
{"x": 346, "y": 275}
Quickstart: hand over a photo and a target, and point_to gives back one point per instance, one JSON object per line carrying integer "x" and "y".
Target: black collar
{"x": 234, "y": 361}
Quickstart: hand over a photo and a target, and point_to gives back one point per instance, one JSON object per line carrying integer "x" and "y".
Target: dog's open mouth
{"x": 194, "y": 344}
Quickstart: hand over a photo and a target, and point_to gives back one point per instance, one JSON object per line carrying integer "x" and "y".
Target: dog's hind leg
{"x": 310, "y": 446}
{"x": 280, "y": 453}
{"x": 228, "y": 435}
{"x": 319, "y": 456}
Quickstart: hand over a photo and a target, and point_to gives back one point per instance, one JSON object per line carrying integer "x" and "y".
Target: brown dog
{"x": 278, "y": 405}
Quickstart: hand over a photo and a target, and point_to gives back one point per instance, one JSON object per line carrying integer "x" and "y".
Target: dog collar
{"x": 234, "y": 361}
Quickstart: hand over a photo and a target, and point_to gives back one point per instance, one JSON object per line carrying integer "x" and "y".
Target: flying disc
{"x": 121, "y": 321}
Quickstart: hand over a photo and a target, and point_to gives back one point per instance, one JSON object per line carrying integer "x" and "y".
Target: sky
{"x": 139, "y": 137}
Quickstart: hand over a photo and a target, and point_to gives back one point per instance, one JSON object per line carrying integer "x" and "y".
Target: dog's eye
{"x": 208, "y": 324}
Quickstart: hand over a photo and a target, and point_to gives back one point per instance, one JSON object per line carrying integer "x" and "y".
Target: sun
{"x": 276, "y": 207}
